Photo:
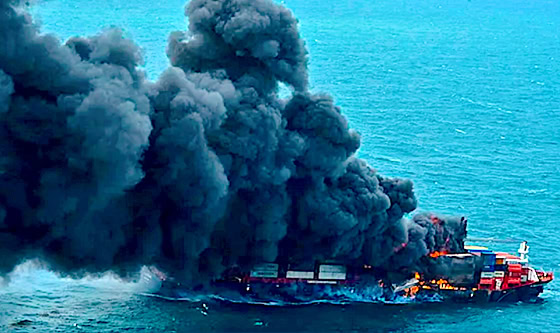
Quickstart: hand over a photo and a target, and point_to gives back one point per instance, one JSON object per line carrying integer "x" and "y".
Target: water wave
{"x": 370, "y": 295}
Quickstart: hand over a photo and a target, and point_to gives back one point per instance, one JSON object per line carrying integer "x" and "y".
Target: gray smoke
{"x": 206, "y": 168}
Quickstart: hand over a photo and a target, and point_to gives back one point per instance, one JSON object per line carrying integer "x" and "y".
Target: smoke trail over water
{"x": 101, "y": 169}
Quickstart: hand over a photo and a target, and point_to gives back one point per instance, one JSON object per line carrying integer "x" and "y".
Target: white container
{"x": 499, "y": 274}
{"x": 321, "y": 282}
{"x": 332, "y": 268}
{"x": 332, "y": 276}
{"x": 299, "y": 275}
{"x": 265, "y": 270}
{"x": 487, "y": 275}
{"x": 266, "y": 267}
{"x": 332, "y": 272}
{"x": 264, "y": 274}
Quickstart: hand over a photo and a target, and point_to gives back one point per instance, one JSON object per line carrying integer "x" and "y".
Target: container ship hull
{"x": 514, "y": 295}
{"x": 303, "y": 292}
{"x": 478, "y": 275}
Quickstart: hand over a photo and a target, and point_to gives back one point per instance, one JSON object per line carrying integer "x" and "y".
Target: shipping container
{"x": 481, "y": 251}
{"x": 460, "y": 270}
{"x": 332, "y": 276}
{"x": 476, "y": 248}
{"x": 514, "y": 281}
{"x": 489, "y": 259}
{"x": 332, "y": 272}
{"x": 264, "y": 274}
{"x": 301, "y": 267}
{"x": 499, "y": 274}
{"x": 299, "y": 275}
{"x": 487, "y": 275}
{"x": 486, "y": 281}
{"x": 488, "y": 268}
{"x": 514, "y": 268}
{"x": 266, "y": 267}
{"x": 332, "y": 268}
{"x": 513, "y": 261}
{"x": 265, "y": 270}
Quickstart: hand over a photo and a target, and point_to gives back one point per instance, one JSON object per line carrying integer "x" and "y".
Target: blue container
{"x": 501, "y": 267}
{"x": 488, "y": 268}
{"x": 489, "y": 259}
{"x": 480, "y": 251}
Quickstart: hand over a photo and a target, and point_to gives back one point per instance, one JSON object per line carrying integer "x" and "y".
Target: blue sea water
{"x": 461, "y": 96}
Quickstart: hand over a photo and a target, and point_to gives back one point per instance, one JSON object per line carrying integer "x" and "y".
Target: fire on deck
{"x": 502, "y": 276}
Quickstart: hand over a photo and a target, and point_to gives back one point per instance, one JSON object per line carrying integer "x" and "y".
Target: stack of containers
{"x": 500, "y": 271}
{"x": 488, "y": 268}
{"x": 332, "y": 272}
{"x": 514, "y": 274}
{"x": 524, "y": 274}
{"x": 265, "y": 270}
{"x": 488, "y": 261}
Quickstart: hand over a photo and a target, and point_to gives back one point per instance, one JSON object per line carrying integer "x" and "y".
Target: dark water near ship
{"x": 461, "y": 96}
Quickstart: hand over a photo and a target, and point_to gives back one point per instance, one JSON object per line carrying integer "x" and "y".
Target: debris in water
{"x": 24, "y": 322}
{"x": 259, "y": 322}
{"x": 204, "y": 309}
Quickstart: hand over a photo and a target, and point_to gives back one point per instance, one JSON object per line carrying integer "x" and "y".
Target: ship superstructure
{"x": 495, "y": 277}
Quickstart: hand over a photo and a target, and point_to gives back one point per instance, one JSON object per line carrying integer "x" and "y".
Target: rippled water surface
{"x": 461, "y": 96}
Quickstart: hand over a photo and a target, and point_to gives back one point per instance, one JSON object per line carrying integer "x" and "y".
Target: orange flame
{"x": 435, "y": 219}
{"x": 436, "y": 254}
{"x": 440, "y": 284}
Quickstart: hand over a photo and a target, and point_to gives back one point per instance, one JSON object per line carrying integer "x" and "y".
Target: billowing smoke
{"x": 206, "y": 168}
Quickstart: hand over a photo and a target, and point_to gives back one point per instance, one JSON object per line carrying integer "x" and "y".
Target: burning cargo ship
{"x": 478, "y": 274}
{"x": 451, "y": 271}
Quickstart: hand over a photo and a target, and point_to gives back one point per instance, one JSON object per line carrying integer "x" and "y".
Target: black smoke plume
{"x": 206, "y": 168}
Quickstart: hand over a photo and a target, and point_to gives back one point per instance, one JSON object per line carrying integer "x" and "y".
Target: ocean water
{"x": 461, "y": 96}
